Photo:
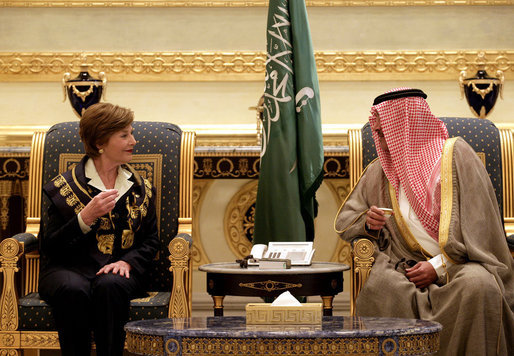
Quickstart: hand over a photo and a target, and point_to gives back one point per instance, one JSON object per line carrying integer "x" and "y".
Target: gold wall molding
{"x": 340, "y": 188}
{"x": 250, "y": 65}
{"x": 248, "y": 3}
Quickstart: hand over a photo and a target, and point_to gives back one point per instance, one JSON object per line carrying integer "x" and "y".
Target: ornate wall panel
{"x": 216, "y": 162}
{"x": 340, "y": 188}
{"x": 250, "y": 65}
{"x": 14, "y": 174}
{"x": 231, "y": 163}
{"x": 240, "y": 220}
{"x": 198, "y": 254}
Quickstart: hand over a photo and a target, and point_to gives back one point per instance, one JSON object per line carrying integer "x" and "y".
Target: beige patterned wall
{"x": 164, "y": 61}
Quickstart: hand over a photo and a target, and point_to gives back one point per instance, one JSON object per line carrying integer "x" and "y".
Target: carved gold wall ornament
{"x": 226, "y": 167}
{"x": 334, "y": 168}
{"x": 246, "y": 3}
{"x": 12, "y": 168}
{"x": 249, "y": 65}
{"x": 340, "y": 188}
{"x": 239, "y": 220}
{"x": 198, "y": 254}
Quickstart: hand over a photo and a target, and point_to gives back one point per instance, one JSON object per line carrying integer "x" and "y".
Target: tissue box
{"x": 265, "y": 313}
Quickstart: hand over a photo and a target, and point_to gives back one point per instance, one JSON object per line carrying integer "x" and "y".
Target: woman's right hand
{"x": 375, "y": 218}
{"x": 100, "y": 205}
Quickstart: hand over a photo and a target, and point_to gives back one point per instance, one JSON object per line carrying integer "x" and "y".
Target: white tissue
{"x": 286, "y": 299}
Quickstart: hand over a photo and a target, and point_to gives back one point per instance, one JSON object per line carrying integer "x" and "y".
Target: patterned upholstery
{"x": 158, "y": 158}
{"x": 35, "y": 314}
{"x": 481, "y": 134}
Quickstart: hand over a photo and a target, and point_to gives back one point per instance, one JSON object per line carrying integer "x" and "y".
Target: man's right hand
{"x": 100, "y": 205}
{"x": 375, "y": 218}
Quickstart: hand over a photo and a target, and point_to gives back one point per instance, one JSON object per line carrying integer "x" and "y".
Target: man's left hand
{"x": 422, "y": 274}
{"x": 121, "y": 267}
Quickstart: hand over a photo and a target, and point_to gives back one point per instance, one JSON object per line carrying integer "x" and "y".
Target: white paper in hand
{"x": 286, "y": 299}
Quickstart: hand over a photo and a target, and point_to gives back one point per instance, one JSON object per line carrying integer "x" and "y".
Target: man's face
{"x": 378, "y": 129}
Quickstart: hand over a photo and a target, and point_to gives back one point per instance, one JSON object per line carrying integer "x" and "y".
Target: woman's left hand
{"x": 121, "y": 267}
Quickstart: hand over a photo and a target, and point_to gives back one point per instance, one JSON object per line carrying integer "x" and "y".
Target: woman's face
{"x": 119, "y": 147}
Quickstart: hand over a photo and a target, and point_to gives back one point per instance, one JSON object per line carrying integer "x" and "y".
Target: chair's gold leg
{"x": 9, "y": 352}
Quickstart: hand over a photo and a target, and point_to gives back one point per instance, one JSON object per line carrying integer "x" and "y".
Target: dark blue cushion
{"x": 36, "y": 314}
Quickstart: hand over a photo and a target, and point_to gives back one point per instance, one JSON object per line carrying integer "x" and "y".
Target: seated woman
{"x": 443, "y": 255}
{"x": 99, "y": 238}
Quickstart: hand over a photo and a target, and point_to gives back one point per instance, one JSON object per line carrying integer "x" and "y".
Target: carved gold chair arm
{"x": 11, "y": 251}
{"x": 362, "y": 260}
{"x": 181, "y": 267}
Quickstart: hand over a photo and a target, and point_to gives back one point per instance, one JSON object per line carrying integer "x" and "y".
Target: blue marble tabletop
{"x": 235, "y": 326}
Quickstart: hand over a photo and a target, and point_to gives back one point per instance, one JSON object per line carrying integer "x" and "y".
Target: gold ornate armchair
{"x": 494, "y": 146}
{"x": 164, "y": 155}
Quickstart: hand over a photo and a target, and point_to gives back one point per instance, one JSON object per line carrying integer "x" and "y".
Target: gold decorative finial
{"x": 259, "y": 108}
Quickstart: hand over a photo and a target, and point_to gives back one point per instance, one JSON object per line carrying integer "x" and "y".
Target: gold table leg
{"x": 218, "y": 304}
{"x": 327, "y": 304}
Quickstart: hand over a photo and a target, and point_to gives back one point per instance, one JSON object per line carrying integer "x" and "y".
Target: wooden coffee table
{"x": 321, "y": 278}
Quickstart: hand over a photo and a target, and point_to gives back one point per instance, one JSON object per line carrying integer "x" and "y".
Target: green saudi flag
{"x": 291, "y": 167}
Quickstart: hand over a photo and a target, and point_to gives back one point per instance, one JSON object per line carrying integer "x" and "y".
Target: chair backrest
{"x": 159, "y": 157}
{"x": 481, "y": 134}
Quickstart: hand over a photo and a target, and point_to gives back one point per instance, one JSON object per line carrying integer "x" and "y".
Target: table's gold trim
{"x": 246, "y": 3}
{"x": 270, "y": 286}
{"x": 250, "y": 65}
{"x": 145, "y": 344}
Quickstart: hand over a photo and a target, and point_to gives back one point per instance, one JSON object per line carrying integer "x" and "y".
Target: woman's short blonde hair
{"x": 99, "y": 122}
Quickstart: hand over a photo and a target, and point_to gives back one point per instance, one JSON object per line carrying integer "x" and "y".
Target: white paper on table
{"x": 286, "y": 299}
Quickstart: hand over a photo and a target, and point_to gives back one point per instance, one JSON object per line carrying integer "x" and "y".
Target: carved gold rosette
{"x": 250, "y": 65}
{"x": 239, "y": 221}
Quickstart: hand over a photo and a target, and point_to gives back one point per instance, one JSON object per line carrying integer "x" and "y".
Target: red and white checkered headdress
{"x": 415, "y": 138}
